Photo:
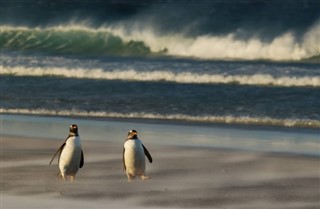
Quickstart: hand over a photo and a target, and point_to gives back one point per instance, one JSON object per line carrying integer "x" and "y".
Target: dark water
{"x": 247, "y": 62}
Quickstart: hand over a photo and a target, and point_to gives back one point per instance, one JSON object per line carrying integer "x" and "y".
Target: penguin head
{"x": 74, "y": 129}
{"x": 133, "y": 134}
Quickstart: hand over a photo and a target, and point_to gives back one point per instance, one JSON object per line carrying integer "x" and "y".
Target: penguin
{"x": 70, "y": 154}
{"x": 134, "y": 153}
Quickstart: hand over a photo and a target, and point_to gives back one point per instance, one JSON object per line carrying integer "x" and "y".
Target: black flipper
{"x": 146, "y": 152}
{"x": 58, "y": 151}
{"x": 81, "y": 160}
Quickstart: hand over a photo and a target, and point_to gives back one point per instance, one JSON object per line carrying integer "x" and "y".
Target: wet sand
{"x": 181, "y": 177}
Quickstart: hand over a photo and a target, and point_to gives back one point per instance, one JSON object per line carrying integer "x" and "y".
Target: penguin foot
{"x": 130, "y": 178}
{"x": 143, "y": 177}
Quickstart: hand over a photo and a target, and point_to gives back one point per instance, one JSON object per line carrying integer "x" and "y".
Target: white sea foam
{"x": 228, "y": 119}
{"x": 283, "y": 47}
{"x": 167, "y": 76}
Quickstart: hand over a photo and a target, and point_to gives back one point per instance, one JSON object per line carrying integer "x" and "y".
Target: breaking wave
{"x": 144, "y": 41}
{"x": 70, "y": 41}
{"x": 165, "y": 76}
{"x": 229, "y": 119}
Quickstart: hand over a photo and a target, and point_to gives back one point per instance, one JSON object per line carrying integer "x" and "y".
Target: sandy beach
{"x": 225, "y": 95}
{"x": 181, "y": 177}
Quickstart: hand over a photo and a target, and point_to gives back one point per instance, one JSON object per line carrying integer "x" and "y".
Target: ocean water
{"x": 231, "y": 137}
{"x": 235, "y": 62}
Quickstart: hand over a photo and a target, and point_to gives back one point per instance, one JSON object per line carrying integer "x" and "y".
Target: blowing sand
{"x": 181, "y": 177}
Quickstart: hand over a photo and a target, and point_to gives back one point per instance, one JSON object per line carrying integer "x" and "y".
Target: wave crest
{"x": 165, "y": 76}
{"x": 229, "y": 119}
{"x": 70, "y": 40}
{"x": 144, "y": 41}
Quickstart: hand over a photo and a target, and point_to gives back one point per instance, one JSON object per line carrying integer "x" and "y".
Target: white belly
{"x": 70, "y": 157}
{"x": 134, "y": 157}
